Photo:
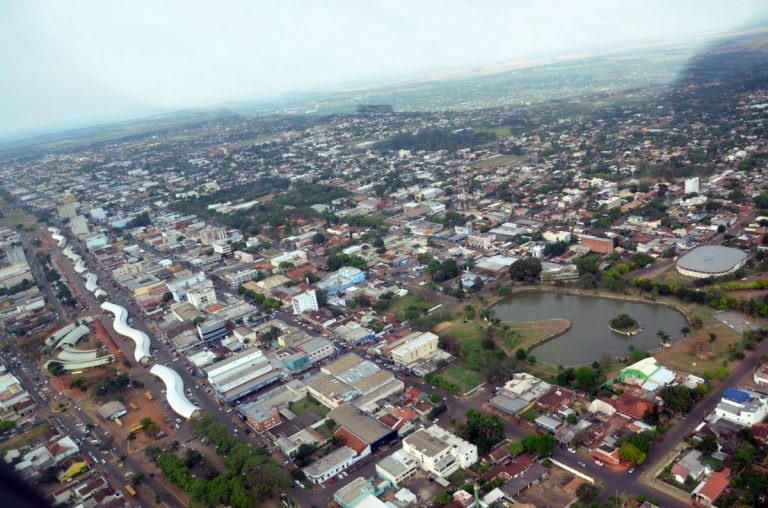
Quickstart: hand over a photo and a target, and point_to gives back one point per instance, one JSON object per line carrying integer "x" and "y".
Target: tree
{"x": 587, "y": 281}
{"x": 525, "y": 270}
{"x": 587, "y": 492}
{"x": 319, "y": 239}
{"x": 586, "y": 378}
{"x": 630, "y": 452}
{"x": 663, "y": 336}
{"x": 677, "y": 398}
{"x": 198, "y": 319}
{"x": 56, "y": 368}
{"x": 167, "y": 297}
{"x": 539, "y": 444}
{"x": 708, "y": 445}
{"x": 7, "y": 425}
{"x": 482, "y": 429}
{"x": 443, "y": 497}
{"x": 624, "y": 322}
{"x": 520, "y": 354}
{"x": 78, "y": 382}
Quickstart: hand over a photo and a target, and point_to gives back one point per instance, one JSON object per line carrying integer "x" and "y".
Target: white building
{"x": 440, "y": 452}
{"x": 397, "y": 467}
{"x": 297, "y": 257}
{"x": 692, "y": 185}
{"x": 330, "y": 465}
{"x": 202, "y": 297}
{"x": 182, "y": 285}
{"x": 742, "y": 407}
{"x": 303, "y": 302}
{"x": 414, "y": 347}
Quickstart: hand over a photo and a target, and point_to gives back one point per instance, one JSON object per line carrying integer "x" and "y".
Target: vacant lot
{"x": 410, "y": 307}
{"x": 460, "y": 376}
{"x": 25, "y": 439}
{"x": 13, "y": 216}
{"x": 556, "y": 490}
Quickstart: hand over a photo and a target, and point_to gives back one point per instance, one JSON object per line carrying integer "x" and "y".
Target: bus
{"x": 130, "y": 490}
{"x": 148, "y": 395}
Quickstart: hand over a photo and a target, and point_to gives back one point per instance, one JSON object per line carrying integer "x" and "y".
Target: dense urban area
{"x": 558, "y": 303}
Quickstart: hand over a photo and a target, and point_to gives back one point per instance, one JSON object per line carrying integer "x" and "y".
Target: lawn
{"x": 503, "y": 131}
{"x": 460, "y": 330}
{"x": 306, "y": 405}
{"x": 458, "y": 478}
{"x": 26, "y": 438}
{"x": 532, "y": 414}
{"x": 460, "y": 376}
{"x": 525, "y": 335}
{"x": 407, "y": 304}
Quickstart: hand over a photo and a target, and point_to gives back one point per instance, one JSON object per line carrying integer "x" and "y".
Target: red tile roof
{"x": 351, "y": 440}
{"x": 716, "y": 484}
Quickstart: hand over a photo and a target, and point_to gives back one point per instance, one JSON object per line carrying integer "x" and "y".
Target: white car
{"x": 571, "y": 449}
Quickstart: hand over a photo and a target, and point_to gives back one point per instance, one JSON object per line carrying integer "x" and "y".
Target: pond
{"x": 589, "y": 338}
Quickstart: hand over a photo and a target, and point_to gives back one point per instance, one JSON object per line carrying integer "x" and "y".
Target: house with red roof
{"x": 707, "y": 492}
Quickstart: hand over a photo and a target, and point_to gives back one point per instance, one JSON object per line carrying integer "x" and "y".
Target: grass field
{"x": 503, "y": 131}
{"x": 25, "y": 439}
{"x": 13, "y": 216}
{"x": 460, "y": 330}
{"x": 495, "y": 162}
{"x": 400, "y": 305}
{"x": 526, "y": 335}
{"x": 462, "y": 377}
{"x": 306, "y": 405}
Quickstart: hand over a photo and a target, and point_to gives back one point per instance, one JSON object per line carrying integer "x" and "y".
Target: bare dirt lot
{"x": 555, "y": 491}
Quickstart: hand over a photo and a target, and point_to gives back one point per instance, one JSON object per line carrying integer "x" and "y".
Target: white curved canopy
{"x": 81, "y": 267}
{"x": 174, "y": 391}
{"x": 90, "y": 281}
{"x": 56, "y": 235}
{"x": 141, "y": 339}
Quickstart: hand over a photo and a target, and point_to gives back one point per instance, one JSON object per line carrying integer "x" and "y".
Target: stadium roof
{"x": 711, "y": 259}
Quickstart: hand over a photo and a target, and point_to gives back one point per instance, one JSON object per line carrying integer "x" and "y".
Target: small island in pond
{"x": 624, "y": 324}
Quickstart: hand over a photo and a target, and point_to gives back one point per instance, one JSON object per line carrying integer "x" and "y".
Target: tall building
{"x": 305, "y": 301}
{"x": 67, "y": 210}
{"x": 692, "y": 185}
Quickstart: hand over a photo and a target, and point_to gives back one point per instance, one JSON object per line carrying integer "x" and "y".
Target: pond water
{"x": 589, "y": 338}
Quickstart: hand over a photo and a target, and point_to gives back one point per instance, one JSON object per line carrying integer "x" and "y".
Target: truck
{"x": 130, "y": 490}
{"x": 133, "y": 406}
{"x": 118, "y": 422}
{"x": 148, "y": 395}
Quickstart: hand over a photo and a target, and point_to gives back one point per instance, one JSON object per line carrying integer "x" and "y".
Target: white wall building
{"x": 202, "y": 297}
{"x": 692, "y": 185}
{"x": 440, "y": 452}
{"x": 303, "y": 302}
{"x": 743, "y": 407}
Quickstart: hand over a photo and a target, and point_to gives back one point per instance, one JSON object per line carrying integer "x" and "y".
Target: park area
{"x": 25, "y": 438}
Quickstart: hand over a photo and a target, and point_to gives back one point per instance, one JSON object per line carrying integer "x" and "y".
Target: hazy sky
{"x": 73, "y": 61}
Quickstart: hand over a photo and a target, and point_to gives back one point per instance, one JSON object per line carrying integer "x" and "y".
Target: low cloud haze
{"x": 94, "y": 60}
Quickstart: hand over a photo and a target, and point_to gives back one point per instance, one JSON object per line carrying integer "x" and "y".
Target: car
{"x": 631, "y": 470}
{"x": 599, "y": 463}
{"x": 571, "y": 449}
{"x": 582, "y": 464}
{"x": 103, "y": 461}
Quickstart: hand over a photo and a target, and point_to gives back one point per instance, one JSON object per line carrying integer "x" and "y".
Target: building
{"x": 439, "y": 452}
{"x": 316, "y": 348}
{"x": 353, "y": 493}
{"x": 304, "y": 302}
{"x": 708, "y": 491}
{"x": 397, "y": 468}
{"x": 414, "y": 347}
{"x": 242, "y": 374}
{"x": 711, "y": 261}
{"x": 212, "y": 330}
{"x": 234, "y": 279}
{"x": 202, "y": 297}
{"x": 181, "y": 286}
{"x": 330, "y": 465}
{"x": 296, "y": 258}
{"x": 343, "y": 279}
{"x": 349, "y": 378}
{"x": 760, "y": 376}
{"x": 361, "y": 431}
{"x": 692, "y": 185}
{"x": 597, "y": 244}
{"x": 742, "y": 407}
{"x": 648, "y": 374}
{"x": 112, "y": 410}
{"x": 79, "y": 225}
